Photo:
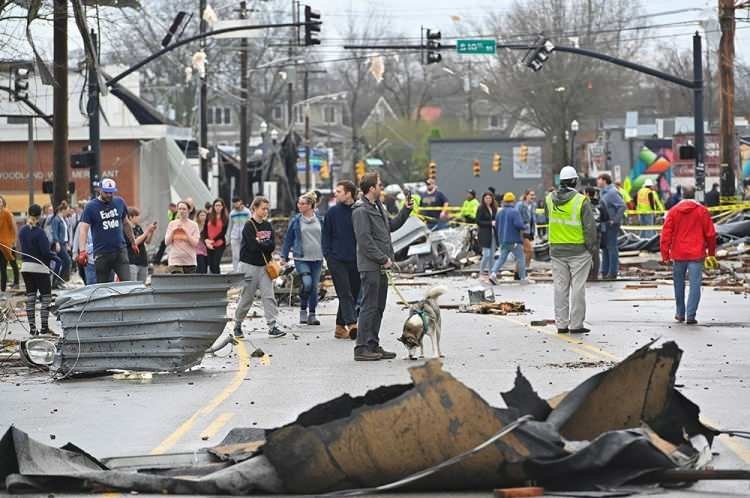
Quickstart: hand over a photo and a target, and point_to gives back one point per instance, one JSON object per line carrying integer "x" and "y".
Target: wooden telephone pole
{"x": 728, "y": 153}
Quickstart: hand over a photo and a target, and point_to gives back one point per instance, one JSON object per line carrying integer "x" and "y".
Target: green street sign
{"x": 477, "y": 46}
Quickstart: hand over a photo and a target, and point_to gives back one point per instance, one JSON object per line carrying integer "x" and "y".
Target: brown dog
{"x": 424, "y": 319}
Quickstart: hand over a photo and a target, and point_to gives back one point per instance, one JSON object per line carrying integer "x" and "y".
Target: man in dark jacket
{"x": 340, "y": 251}
{"x": 612, "y": 203}
{"x": 372, "y": 229}
{"x": 713, "y": 197}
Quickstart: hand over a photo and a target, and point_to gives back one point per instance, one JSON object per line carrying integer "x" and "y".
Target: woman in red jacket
{"x": 213, "y": 235}
{"x": 688, "y": 240}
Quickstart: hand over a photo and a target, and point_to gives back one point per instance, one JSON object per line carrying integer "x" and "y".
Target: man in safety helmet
{"x": 572, "y": 239}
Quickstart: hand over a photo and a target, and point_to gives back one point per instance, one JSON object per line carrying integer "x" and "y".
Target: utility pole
{"x": 308, "y": 173}
{"x": 243, "y": 112}
{"x": 728, "y": 159}
{"x": 700, "y": 147}
{"x": 93, "y": 113}
{"x": 60, "y": 103}
{"x": 203, "y": 99}
{"x": 30, "y": 158}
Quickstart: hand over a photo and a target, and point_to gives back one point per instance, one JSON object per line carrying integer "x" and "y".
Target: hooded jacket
{"x": 372, "y": 229}
{"x": 508, "y": 225}
{"x": 561, "y": 196}
{"x": 688, "y": 233}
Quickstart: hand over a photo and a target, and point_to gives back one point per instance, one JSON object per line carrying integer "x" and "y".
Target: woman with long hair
{"x": 213, "y": 235}
{"x": 486, "y": 221}
{"x": 304, "y": 240}
{"x": 201, "y": 252}
{"x": 258, "y": 245}
{"x": 182, "y": 238}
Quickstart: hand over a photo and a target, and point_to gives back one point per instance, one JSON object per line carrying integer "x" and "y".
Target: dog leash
{"x": 392, "y": 283}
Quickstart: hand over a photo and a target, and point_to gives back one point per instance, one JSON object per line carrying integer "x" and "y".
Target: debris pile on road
{"x": 419, "y": 249}
{"x": 502, "y": 308}
{"x": 625, "y": 425}
{"x": 129, "y": 326}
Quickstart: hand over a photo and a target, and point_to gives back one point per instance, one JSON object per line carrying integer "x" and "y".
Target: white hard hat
{"x": 648, "y": 183}
{"x": 568, "y": 173}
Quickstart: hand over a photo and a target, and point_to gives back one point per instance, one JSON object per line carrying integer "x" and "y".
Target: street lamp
{"x": 573, "y": 129}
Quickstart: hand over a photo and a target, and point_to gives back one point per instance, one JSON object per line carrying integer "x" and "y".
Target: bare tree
{"x": 569, "y": 86}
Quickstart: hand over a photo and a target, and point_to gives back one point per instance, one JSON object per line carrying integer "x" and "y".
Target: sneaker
{"x": 563, "y": 331}
{"x": 312, "y": 319}
{"x": 303, "y": 317}
{"x": 386, "y": 355}
{"x": 48, "y": 332}
{"x": 691, "y": 321}
{"x": 582, "y": 330}
{"x": 679, "y": 318}
{"x": 237, "y": 333}
{"x": 492, "y": 278}
{"x": 366, "y": 355}
{"x": 276, "y": 332}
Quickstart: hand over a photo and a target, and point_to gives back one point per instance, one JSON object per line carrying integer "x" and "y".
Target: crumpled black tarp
{"x": 393, "y": 431}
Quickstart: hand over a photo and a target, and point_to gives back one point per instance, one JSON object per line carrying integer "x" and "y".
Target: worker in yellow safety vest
{"x": 648, "y": 203}
{"x": 469, "y": 208}
{"x": 572, "y": 236}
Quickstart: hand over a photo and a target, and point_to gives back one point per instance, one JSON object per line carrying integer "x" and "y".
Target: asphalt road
{"x": 185, "y": 412}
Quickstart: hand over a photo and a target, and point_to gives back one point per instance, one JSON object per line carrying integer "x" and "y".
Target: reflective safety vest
{"x": 625, "y": 195}
{"x": 416, "y": 199}
{"x": 644, "y": 202}
{"x": 565, "y": 224}
{"x": 469, "y": 209}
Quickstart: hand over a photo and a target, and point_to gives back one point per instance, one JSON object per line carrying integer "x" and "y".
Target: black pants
{"x": 347, "y": 283}
{"x": 160, "y": 253}
{"x": 202, "y": 263}
{"x": 4, "y": 271}
{"x": 214, "y": 259}
{"x": 109, "y": 262}
{"x": 374, "y": 296}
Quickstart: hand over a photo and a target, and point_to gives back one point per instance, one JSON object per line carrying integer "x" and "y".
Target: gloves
{"x": 710, "y": 263}
{"x": 83, "y": 258}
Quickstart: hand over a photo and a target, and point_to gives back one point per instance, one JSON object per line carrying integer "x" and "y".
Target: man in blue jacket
{"x": 508, "y": 228}
{"x": 340, "y": 251}
{"x": 611, "y": 201}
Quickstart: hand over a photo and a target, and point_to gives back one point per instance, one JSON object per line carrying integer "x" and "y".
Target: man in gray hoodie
{"x": 572, "y": 239}
{"x": 372, "y": 229}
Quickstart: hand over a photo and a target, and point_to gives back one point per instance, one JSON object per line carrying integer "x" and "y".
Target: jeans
{"x": 309, "y": 271}
{"x": 347, "y": 284}
{"x": 90, "y": 273}
{"x": 694, "y": 272}
{"x": 236, "y": 245}
{"x": 65, "y": 261}
{"x": 647, "y": 220}
{"x": 610, "y": 253}
{"x": 109, "y": 262}
{"x": 485, "y": 264}
{"x": 138, "y": 273}
{"x": 201, "y": 263}
{"x": 374, "y": 297}
{"x": 517, "y": 250}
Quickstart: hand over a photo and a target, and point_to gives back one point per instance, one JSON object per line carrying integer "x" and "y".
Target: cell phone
{"x": 408, "y": 196}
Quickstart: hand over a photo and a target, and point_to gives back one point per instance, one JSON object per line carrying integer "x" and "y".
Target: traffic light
{"x": 524, "y": 153}
{"x": 360, "y": 170}
{"x": 325, "y": 171}
{"x": 497, "y": 162}
{"x": 21, "y": 83}
{"x": 312, "y": 26}
{"x": 476, "y": 167}
{"x": 433, "y": 44}
{"x": 432, "y": 170}
{"x": 537, "y": 56}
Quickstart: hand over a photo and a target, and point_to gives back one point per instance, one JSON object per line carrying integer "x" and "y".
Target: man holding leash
{"x": 372, "y": 229}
